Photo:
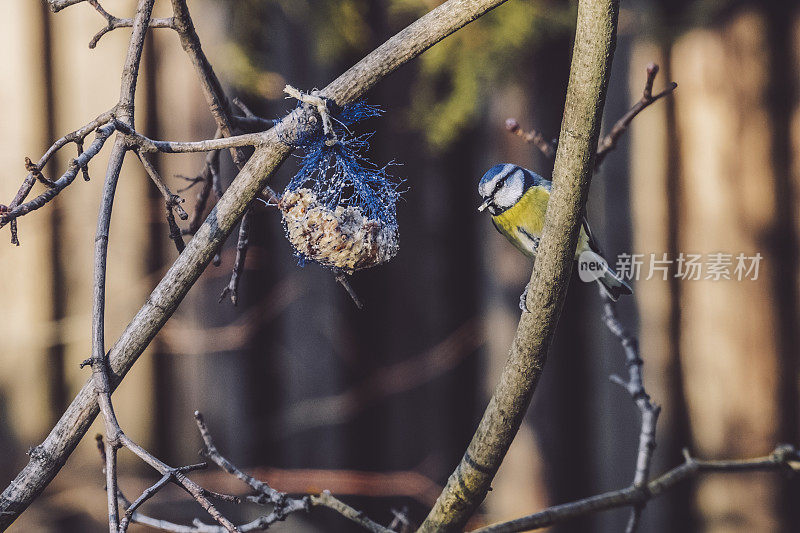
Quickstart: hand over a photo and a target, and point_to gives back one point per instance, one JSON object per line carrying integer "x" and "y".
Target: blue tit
{"x": 517, "y": 199}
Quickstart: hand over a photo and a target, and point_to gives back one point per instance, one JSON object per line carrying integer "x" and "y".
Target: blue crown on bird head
{"x": 510, "y": 181}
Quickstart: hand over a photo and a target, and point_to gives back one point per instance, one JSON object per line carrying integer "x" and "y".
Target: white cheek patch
{"x": 511, "y": 192}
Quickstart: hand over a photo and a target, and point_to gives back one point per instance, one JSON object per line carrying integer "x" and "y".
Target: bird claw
{"x": 523, "y": 301}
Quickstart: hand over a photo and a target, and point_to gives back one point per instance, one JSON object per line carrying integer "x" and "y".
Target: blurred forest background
{"x": 378, "y": 405}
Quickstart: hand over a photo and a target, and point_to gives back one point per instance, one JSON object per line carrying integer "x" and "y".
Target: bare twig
{"x": 172, "y": 200}
{"x": 253, "y": 123}
{"x": 648, "y": 410}
{"x": 58, "y": 5}
{"x": 207, "y": 176}
{"x": 400, "y": 522}
{"x": 175, "y": 232}
{"x": 172, "y": 203}
{"x": 84, "y": 169}
{"x": 325, "y": 499}
{"x": 609, "y": 142}
{"x": 283, "y": 504}
{"x": 242, "y": 243}
{"x": 31, "y": 167}
{"x": 534, "y": 137}
{"x": 783, "y": 458}
{"x": 220, "y": 109}
{"x": 169, "y": 475}
{"x": 243, "y": 108}
{"x": 112, "y": 22}
{"x": 103, "y": 130}
{"x": 146, "y": 495}
{"x": 116, "y": 438}
{"x": 143, "y": 144}
{"x": 179, "y": 477}
{"x": 595, "y": 40}
{"x": 341, "y": 278}
{"x": 634, "y": 385}
{"x": 100, "y": 367}
{"x": 406, "y": 45}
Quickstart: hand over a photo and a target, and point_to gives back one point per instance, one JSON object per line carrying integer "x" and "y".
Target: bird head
{"x": 503, "y": 185}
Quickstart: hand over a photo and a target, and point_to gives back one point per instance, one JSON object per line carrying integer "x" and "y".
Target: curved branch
{"x": 609, "y": 142}
{"x": 46, "y": 459}
{"x": 61, "y": 183}
{"x": 591, "y": 64}
{"x": 184, "y": 147}
{"x": 77, "y": 136}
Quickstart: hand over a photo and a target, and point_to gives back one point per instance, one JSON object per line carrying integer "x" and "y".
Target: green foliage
{"x": 453, "y": 78}
{"x": 456, "y": 75}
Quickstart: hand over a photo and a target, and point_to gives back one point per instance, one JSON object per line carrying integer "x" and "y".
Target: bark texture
{"x": 595, "y": 40}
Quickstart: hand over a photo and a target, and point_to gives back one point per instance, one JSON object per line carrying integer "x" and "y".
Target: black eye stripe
{"x": 499, "y": 184}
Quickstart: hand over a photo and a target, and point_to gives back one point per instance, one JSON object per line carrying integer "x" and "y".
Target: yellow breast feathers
{"x": 522, "y": 223}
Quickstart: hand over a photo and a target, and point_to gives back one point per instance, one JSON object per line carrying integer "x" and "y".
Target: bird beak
{"x": 485, "y": 204}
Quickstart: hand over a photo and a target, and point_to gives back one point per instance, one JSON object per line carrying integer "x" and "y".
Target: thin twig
{"x": 648, "y": 410}
{"x": 783, "y": 458}
{"x": 351, "y": 85}
{"x": 100, "y": 365}
{"x": 58, "y": 5}
{"x": 609, "y": 142}
{"x": 102, "y": 132}
{"x": 206, "y": 177}
{"x": 325, "y": 499}
{"x": 34, "y": 169}
{"x": 146, "y": 495}
{"x": 178, "y": 476}
{"x": 85, "y": 168}
{"x": 211, "y": 452}
{"x": 172, "y": 202}
{"x": 242, "y": 243}
{"x": 341, "y": 278}
{"x": 241, "y": 105}
{"x": 283, "y": 504}
{"x": 144, "y": 144}
{"x": 220, "y": 109}
{"x": 534, "y": 137}
{"x": 112, "y": 23}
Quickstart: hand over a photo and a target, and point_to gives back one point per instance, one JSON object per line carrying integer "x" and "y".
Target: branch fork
{"x": 320, "y": 105}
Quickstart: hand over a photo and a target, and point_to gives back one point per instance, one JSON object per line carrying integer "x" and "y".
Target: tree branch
{"x": 648, "y": 410}
{"x": 17, "y": 209}
{"x": 47, "y": 458}
{"x": 58, "y": 5}
{"x": 534, "y": 137}
{"x": 609, "y": 142}
{"x": 146, "y": 145}
{"x": 591, "y": 61}
{"x": 783, "y": 458}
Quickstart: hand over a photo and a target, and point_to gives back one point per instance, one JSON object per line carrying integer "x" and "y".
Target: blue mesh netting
{"x": 339, "y": 174}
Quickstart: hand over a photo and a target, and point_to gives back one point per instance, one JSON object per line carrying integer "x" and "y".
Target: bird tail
{"x": 610, "y": 282}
